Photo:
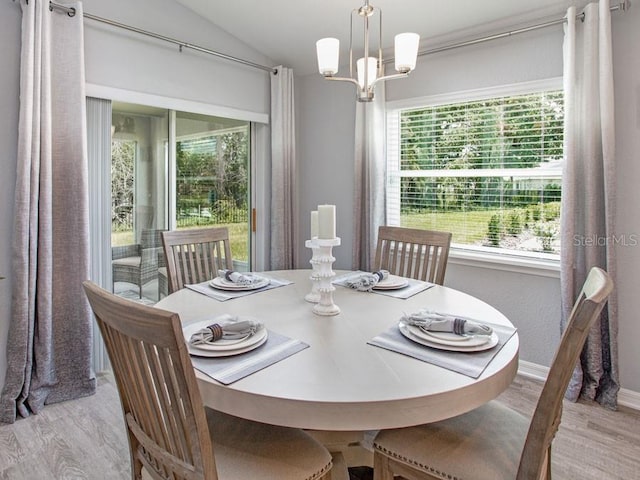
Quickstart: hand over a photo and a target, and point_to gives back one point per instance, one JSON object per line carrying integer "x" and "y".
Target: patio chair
{"x": 413, "y": 253}
{"x": 494, "y": 442}
{"x": 137, "y": 263}
{"x": 171, "y": 434}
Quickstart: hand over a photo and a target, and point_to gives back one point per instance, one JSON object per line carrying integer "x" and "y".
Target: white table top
{"x": 341, "y": 383}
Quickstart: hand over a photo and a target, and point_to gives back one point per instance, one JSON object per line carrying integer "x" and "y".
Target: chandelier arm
{"x": 389, "y": 77}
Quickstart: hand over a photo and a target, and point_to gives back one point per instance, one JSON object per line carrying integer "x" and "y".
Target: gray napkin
{"x": 227, "y": 327}
{"x": 438, "y": 322}
{"x": 366, "y": 281}
{"x": 239, "y": 278}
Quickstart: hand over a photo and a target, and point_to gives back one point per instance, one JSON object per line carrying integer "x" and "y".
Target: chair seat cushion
{"x": 246, "y": 450}
{"x": 127, "y": 261}
{"x": 484, "y": 444}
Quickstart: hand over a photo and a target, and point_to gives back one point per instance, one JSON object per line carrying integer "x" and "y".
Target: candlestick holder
{"x": 314, "y": 295}
{"x": 322, "y": 275}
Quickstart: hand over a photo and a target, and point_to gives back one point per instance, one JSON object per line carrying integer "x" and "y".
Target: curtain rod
{"x": 72, "y": 11}
{"x": 622, "y": 6}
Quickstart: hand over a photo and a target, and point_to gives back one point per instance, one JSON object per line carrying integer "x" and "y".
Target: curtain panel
{"x": 284, "y": 209}
{"x": 588, "y": 193}
{"x": 370, "y": 179}
{"x": 50, "y": 335}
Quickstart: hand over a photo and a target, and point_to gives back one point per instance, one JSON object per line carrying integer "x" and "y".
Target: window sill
{"x": 529, "y": 264}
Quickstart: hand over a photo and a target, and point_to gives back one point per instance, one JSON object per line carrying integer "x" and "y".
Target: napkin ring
{"x": 216, "y": 332}
{"x": 227, "y": 275}
{"x": 458, "y": 326}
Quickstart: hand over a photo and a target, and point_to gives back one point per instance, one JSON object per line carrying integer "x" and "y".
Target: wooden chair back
{"x": 413, "y": 253}
{"x": 194, "y": 256}
{"x": 546, "y": 417}
{"x": 163, "y": 411}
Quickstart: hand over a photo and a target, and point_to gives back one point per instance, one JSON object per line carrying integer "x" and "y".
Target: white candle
{"x": 314, "y": 224}
{"x": 327, "y": 222}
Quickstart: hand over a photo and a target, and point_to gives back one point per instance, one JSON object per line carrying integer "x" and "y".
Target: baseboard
{"x": 629, "y": 398}
{"x": 532, "y": 370}
{"x": 626, "y": 398}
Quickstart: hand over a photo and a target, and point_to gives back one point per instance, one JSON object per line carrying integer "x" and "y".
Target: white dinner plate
{"x": 410, "y": 332}
{"x": 392, "y": 282}
{"x": 224, "y": 284}
{"x": 223, "y": 347}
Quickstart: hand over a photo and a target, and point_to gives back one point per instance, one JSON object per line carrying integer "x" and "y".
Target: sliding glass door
{"x": 173, "y": 170}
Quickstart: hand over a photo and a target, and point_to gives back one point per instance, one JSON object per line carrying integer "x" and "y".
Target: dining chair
{"x": 196, "y": 255}
{"x": 138, "y": 262}
{"x": 413, "y": 253}
{"x": 494, "y": 442}
{"x": 171, "y": 434}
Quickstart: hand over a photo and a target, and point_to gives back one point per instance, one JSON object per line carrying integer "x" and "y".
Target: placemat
{"x": 230, "y": 369}
{"x": 224, "y": 295}
{"x": 471, "y": 364}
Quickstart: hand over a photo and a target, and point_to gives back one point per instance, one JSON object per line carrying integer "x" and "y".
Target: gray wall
{"x": 131, "y": 62}
{"x": 120, "y": 59}
{"x": 626, "y": 64}
{"x": 530, "y": 299}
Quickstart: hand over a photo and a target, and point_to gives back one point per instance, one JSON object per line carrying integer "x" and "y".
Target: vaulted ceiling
{"x": 286, "y": 30}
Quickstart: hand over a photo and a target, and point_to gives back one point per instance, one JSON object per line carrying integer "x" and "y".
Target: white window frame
{"x": 483, "y": 257}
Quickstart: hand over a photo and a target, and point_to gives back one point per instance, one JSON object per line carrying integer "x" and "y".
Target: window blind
{"x": 487, "y": 170}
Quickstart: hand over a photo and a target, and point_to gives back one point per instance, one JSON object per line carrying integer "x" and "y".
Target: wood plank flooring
{"x": 85, "y": 439}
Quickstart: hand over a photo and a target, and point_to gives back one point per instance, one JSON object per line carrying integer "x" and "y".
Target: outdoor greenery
{"x": 215, "y": 178}
{"x": 489, "y": 137}
{"x": 493, "y": 227}
{"x": 238, "y": 234}
{"x": 122, "y": 160}
{"x": 212, "y": 187}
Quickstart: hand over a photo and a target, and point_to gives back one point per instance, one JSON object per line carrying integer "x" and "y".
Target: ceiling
{"x": 286, "y": 30}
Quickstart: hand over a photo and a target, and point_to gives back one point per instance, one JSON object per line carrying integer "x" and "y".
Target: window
{"x": 212, "y": 177}
{"x": 488, "y": 169}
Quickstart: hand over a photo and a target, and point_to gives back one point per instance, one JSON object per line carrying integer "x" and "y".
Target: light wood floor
{"x": 85, "y": 439}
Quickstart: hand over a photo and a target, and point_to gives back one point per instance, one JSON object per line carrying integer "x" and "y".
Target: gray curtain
{"x": 284, "y": 209}
{"x": 588, "y": 193}
{"x": 50, "y": 335}
{"x": 370, "y": 178}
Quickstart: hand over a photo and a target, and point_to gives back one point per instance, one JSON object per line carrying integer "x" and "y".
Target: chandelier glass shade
{"x": 367, "y": 70}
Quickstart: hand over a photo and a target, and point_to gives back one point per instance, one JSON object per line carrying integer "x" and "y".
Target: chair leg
{"x": 381, "y": 470}
{"x": 548, "y": 477}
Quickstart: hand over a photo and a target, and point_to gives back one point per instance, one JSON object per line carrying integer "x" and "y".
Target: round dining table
{"x": 342, "y": 383}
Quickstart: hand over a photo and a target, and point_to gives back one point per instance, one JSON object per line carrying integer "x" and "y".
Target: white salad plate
{"x": 224, "y": 284}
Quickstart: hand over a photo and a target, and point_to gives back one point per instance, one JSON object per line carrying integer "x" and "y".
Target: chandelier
{"x": 368, "y": 68}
